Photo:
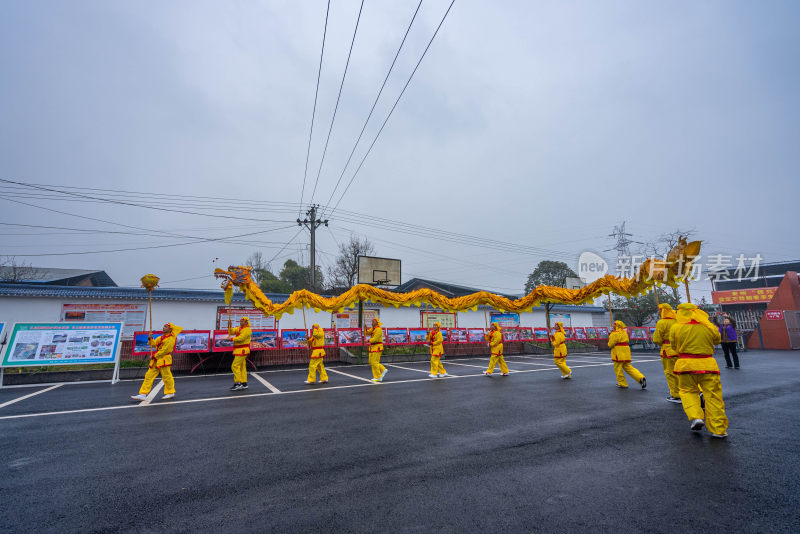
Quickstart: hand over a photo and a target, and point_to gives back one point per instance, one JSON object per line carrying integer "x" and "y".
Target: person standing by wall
{"x": 241, "y": 349}
{"x": 560, "y": 350}
{"x": 317, "y": 342}
{"x": 730, "y": 341}
{"x": 375, "y": 350}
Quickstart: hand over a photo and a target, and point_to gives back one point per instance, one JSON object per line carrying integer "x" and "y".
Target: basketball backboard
{"x": 378, "y": 271}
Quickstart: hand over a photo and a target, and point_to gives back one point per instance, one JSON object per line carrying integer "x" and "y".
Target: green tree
{"x": 269, "y": 283}
{"x": 640, "y": 310}
{"x": 549, "y": 273}
{"x": 292, "y": 277}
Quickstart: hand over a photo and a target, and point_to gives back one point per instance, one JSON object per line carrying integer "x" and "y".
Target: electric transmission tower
{"x": 623, "y": 243}
{"x": 312, "y": 223}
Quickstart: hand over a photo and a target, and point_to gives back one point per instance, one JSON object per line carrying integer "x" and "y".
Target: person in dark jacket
{"x": 729, "y": 341}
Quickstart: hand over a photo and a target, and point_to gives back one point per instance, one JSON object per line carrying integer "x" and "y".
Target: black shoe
{"x": 244, "y": 385}
{"x": 643, "y": 382}
{"x": 702, "y": 402}
{"x": 235, "y": 386}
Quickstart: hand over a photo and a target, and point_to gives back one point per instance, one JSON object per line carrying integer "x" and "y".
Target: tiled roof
{"x": 122, "y": 293}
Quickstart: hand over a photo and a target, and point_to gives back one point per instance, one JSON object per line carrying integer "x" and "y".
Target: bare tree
{"x": 12, "y": 271}
{"x": 660, "y": 247}
{"x": 344, "y": 273}
{"x": 258, "y": 264}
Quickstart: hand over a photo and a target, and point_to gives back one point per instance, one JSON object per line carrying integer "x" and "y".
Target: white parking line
{"x": 152, "y": 394}
{"x": 408, "y": 368}
{"x": 266, "y": 384}
{"x": 351, "y": 376}
{"x": 29, "y": 395}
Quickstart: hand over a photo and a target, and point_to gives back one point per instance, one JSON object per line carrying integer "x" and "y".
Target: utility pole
{"x": 312, "y": 223}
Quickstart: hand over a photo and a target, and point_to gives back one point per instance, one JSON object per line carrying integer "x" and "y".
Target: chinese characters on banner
{"x": 349, "y": 319}
{"x": 258, "y": 321}
{"x": 743, "y": 296}
{"x": 445, "y": 319}
{"x": 131, "y": 315}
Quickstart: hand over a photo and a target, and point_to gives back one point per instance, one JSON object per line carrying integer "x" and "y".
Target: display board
{"x": 591, "y": 332}
{"x": 330, "y": 337}
{"x": 540, "y": 334}
{"x": 458, "y": 335}
{"x": 258, "y": 321}
{"x": 348, "y": 337}
{"x": 525, "y": 333}
{"x": 293, "y": 339}
{"x": 349, "y": 319}
{"x": 62, "y": 344}
{"x": 445, "y": 319}
{"x": 569, "y": 333}
{"x": 636, "y": 333}
{"x": 476, "y": 335}
{"x": 416, "y": 336}
{"x": 651, "y": 330}
{"x": 396, "y": 336}
{"x": 580, "y": 333}
{"x": 510, "y": 334}
{"x": 505, "y": 320}
{"x": 132, "y": 316}
{"x": 187, "y": 341}
{"x": 259, "y": 340}
{"x": 602, "y": 332}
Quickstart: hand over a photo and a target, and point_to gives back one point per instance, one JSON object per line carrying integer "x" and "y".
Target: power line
{"x": 336, "y": 107}
{"x": 375, "y": 103}
{"x": 393, "y": 107}
{"x": 314, "y": 111}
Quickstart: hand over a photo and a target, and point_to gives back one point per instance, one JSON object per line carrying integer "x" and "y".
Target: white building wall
{"x": 202, "y": 315}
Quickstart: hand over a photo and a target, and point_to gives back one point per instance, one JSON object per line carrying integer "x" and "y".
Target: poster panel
{"x": 458, "y": 335}
{"x": 416, "y": 336}
{"x": 580, "y": 333}
{"x": 396, "y": 336}
{"x": 348, "y": 337}
{"x": 636, "y": 333}
{"x": 569, "y": 333}
{"x": 349, "y": 318}
{"x": 132, "y": 316}
{"x": 258, "y": 321}
{"x": 602, "y": 332}
{"x": 186, "y": 342}
{"x": 294, "y": 339}
{"x": 650, "y": 331}
{"x": 260, "y": 340}
{"x": 540, "y": 333}
{"x": 445, "y": 319}
{"x": 62, "y": 344}
{"x": 476, "y": 335}
{"x": 591, "y": 332}
{"x": 330, "y": 337}
{"x": 510, "y": 334}
{"x": 505, "y": 320}
{"x": 525, "y": 333}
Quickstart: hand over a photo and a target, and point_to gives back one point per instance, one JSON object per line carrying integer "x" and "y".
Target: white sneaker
{"x": 719, "y": 435}
{"x": 139, "y": 397}
{"x": 322, "y": 382}
{"x": 383, "y": 374}
{"x": 375, "y": 379}
{"x": 487, "y": 373}
{"x": 433, "y": 376}
{"x": 307, "y": 382}
{"x": 697, "y": 425}
{"x": 168, "y": 396}
{"x": 443, "y": 375}
{"x": 564, "y": 377}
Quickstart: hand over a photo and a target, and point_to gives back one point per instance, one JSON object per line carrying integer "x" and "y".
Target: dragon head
{"x": 237, "y": 276}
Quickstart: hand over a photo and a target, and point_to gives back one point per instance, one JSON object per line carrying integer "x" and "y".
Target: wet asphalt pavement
{"x": 524, "y": 453}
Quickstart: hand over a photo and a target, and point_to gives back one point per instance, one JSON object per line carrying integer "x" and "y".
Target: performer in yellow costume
{"x": 668, "y": 354}
{"x": 316, "y": 343}
{"x": 435, "y": 339}
{"x": 495, "y": 339}
{"x": 375, "y": 350}
{"x": 241, "y": 349}
{"x": 621, "y": 356}
{"x": 160, "y": 362}
{"x": 560, "y": 350}
{"x": 693, "y": 337}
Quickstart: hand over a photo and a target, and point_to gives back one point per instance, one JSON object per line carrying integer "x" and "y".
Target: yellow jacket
{"x": 317, "y": 342}
{"x": 661, "y": 337}
{"x": 693, "y": 336}
{"x": 434, "y": 337}
{"x": 375, "y": 339}
{"x": 164, "y": 345}
{"x": 495, "y": 339}
{"x": 241, "y": 340}
{"x": 619, "y": 343}
{"x": 559, "y": 344}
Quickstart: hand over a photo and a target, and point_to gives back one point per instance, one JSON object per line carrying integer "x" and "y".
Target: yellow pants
{"x": 239, "y": 368}
{"x": 436, "y": 366}
{"x": 375, "y": 363}
{"x": 314, "y": 364}
{"x": 672, "y": 379}
{"x": 561, "y": 363}
{"x": 166, "y": 376}
{"x": 497, "y": 359}
{"x": 628, "y": 368}
{"x": 689, "y": 386}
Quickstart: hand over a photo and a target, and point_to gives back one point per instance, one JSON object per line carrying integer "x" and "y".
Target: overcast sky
{"x": 540, "y": 124}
